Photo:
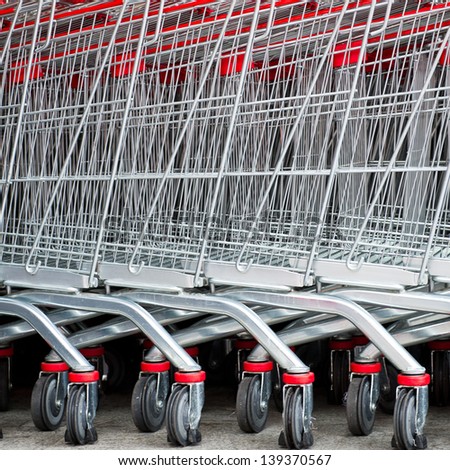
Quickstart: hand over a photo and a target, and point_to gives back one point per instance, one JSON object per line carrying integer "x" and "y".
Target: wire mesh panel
{"x": 399, "y": 187}
{"x": 437, "y": 253}
{"x": 51, "y": 192}
{"x": 366, "y": 209}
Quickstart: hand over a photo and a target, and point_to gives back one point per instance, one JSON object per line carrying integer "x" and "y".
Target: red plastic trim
{"x": 360, "y": 341}
{"x": 233, "y": 64}
{"x": 155, "y": 367}
{"x": 266, "y": 366}
{"x": 6, "y": 352}
{"x": 298, "y": 379}
{"x": 347, "y": 54}
{"x": 413, "y": 380}
{"x": 190, "y": 377}
{"x": 89, "y": 353}
{"x": 340, "y": 345}
{"x": 78, "y": 81}
{"x": 276, "y": 71}
{"x": 84, "y": 377}
{"x": 18, "y": 71}
{"x": 54, "y": 367}
{"x": 147, "y": 344}
{"x": 245, "y": 344}
{"x": 123, "y": 64}
{"x": 371, "y": 368}
{"x": 7, "y": 11}
{"x": 444, "y": 60}
{"x": 170, "y": 76}
{"x": 193, "y": 351}
{"x": 384, "y": 59}
{"x": 439, "y": 345}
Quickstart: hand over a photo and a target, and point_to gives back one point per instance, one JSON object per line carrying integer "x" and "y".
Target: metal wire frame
{"x": 89, "y": 175}
{"x": 352, "y": 177}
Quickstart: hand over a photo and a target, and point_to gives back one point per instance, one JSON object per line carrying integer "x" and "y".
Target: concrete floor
{"x": 219, "y": 427}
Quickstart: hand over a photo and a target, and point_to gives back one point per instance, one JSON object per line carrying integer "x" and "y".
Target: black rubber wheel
{"x": 177, "y": 420}
{"x": 148, "y": 415}
{"x": 440, "y": 386}
{"x": 360, "y": 416}
{"x": 77, "y": 415}
{"x": 388, "y": 389}
{"x": 4, "y": 384}
{"x": 250, "y": 416}
{"x": 397, "y": 440}
{"x": 405, "y": 436}
{"x": 293, "y": 426}
{"x": 340, "y": 380}
{"x": 78, "y": 431}
{"x": 46, "y": 412}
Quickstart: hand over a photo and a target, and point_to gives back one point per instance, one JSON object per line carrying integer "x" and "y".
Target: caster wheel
{"x": 440, "y": 387}
{"x": 47, "y": 413}
{"x": 360, "y": 416}
{"x": 341, "y": 377}
{"x": 250, "y": 416}
{"x": 78, "y": 430}
{"x": 148, "y": 415}
{"x": 4, "y": 384}
{"x": 405, "y": 436}
{"x": 293, "y": 434}
{"x": 177, "y": 420}
{"x": 388, "y": 389}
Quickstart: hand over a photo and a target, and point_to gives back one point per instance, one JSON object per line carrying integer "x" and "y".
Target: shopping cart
{"x": 53, "y": 173}
{"x": 386, "y": 192}
{"x": 20, "y": 90}
{"x": 93, "y": 176}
